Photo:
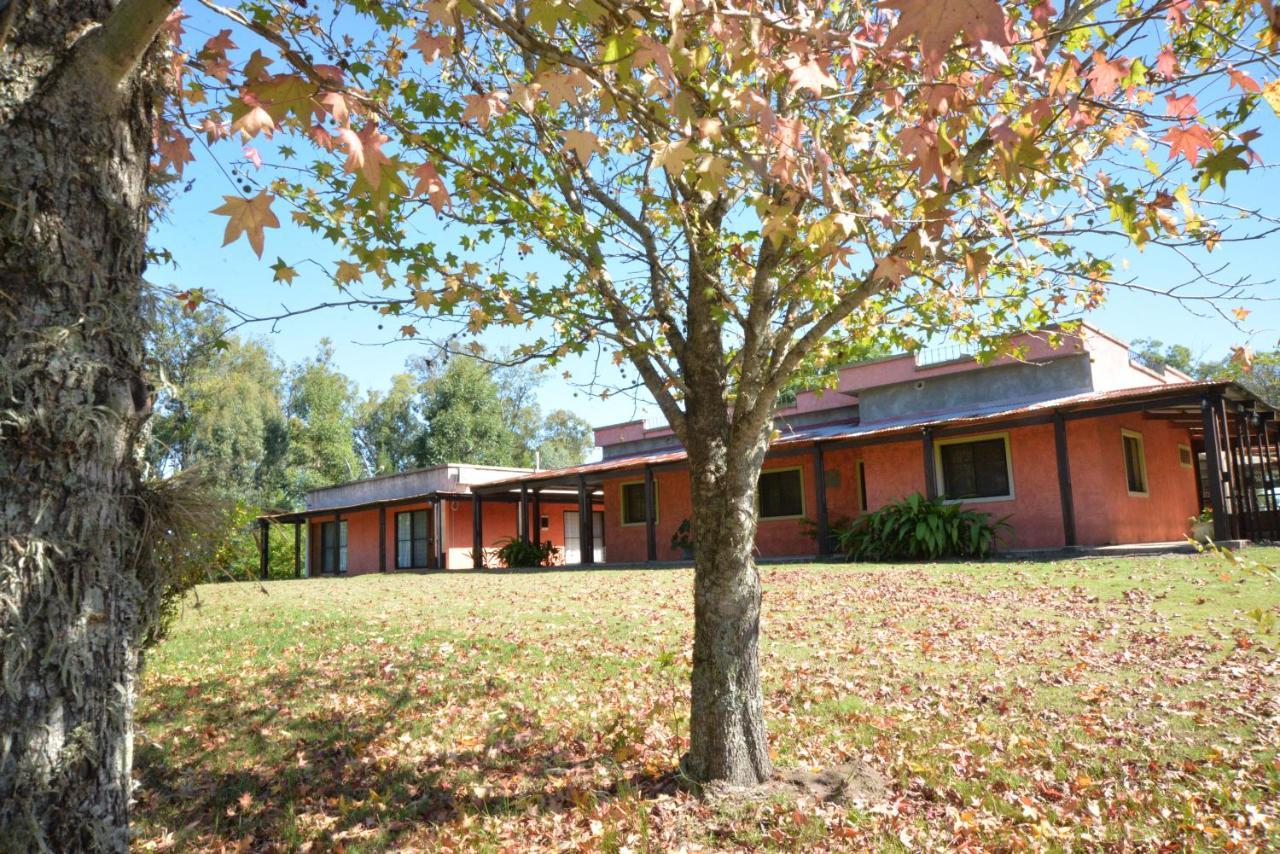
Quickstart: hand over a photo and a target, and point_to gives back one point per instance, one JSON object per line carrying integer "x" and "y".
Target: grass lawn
{"x": 1128, "y": 702}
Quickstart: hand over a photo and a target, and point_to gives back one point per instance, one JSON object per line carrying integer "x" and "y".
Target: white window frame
{"x": 1126, "y": 433}
{"x": 939, "y": 479}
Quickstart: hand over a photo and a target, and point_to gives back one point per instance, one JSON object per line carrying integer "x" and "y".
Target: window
{"x": 1135, "y": 462}
{"x": 781, "y": 494}
{"x": 412, "y": 543}
{"x": 633, "y": 509}
{"x": 1184, "y": 456}
{"x": 973, "y": 469}
{"x": 333, "y": 547}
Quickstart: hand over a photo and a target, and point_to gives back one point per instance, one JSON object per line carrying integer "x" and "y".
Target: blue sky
{"x": 371, "y": 355}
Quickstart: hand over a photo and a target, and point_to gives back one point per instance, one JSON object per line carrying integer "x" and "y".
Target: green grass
{"x": 1125, "y": 701}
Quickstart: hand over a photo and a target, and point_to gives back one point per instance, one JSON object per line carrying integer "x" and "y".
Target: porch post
{"x": 522, "y": 516}
{"x": 1269, "y": 457}
{"x": 930, "y": 473}
{"x": 537, "y": 516}
{"x": 585, "y": 528}
{"x": 1213, "y": 462}
{"x": 1247, "y": 470}
{"x": 650, "y": 516}
{"x": 820, "y": 487}
{"x": 382, "y": 539}
{"x": 265, "y": 569}
{"x": 1233, "y": 497}
{"x": 1064, "y": 479}
{"x": 477, "y": 531}
{"x": 1264, "y": 473}
{"x": 297, "y": 549}
{"x": 437, "y": 532}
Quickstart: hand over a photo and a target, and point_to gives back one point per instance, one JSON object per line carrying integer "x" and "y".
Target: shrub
{"x": 682, "y": 539}
{"x": 917, "y": 527}
{"x": 515, "y": 552}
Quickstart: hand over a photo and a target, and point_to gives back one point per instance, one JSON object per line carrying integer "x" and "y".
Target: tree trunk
{"x": 727, "y": 734}
{"x": 74, "y": 154}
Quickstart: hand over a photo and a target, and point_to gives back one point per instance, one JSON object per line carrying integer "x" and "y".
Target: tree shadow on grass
{"x": 243, "y": 771}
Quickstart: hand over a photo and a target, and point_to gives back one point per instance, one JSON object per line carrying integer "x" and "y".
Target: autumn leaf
{"x": 1241, "y": 313}
{"x": 1105, "y": 75}
{"x": 1181, "y": 107}
{"x": 583, "y": 143}
{"x": 248, "y": 217}
{"x": 936, "y": 25}
{"x": 430, "y": 182}
{"x": 1188, "y": 141}
{"x": 1271, "y": 94}
{"x": 432, "y": 47}
{"x": 283, "y": 272}
{"x": 482, "y": 108}
{"x": 673, "y": 156}
{"x": 807, "y": 74}
{"x": 175, "y": 152}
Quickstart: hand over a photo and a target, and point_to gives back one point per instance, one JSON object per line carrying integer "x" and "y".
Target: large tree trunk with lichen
{"x": 73, "y": 172}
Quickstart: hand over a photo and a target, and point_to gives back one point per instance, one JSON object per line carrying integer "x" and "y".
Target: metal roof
{"x": 1178, "y": 393}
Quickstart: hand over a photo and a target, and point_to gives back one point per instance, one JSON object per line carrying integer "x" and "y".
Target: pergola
{"x": 563, "y": 486}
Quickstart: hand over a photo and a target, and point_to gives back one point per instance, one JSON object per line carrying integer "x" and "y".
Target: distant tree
{"x": 233, "y": 424}
{"x": 388, "y": 427}
{"x": 518, "y": 390}
{"x": 1157, "y": 354}
{"x": 180, "y": 343}
{"x": 1260, "y": 373}
{"x": 464, "y": 417}
{"x": 321, "y": 410}
{"x": 565, "y": 440}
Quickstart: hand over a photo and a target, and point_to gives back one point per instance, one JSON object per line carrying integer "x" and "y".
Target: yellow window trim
{"x": 1142, "y": 462}
{"x": 622, "y": 504}
{"x": 938, "y": 479}
{"x": 801, "y": 514}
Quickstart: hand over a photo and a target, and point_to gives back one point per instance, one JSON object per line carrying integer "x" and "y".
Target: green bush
{"x": 515, "y": 552}
{"x": 919, "y": 528}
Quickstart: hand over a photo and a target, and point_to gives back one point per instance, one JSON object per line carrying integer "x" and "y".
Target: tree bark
{"x": 74, "y": 152}
{"x": 727, "y": 740}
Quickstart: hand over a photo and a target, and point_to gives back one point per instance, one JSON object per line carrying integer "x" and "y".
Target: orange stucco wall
{"x": 1105, "y": 512}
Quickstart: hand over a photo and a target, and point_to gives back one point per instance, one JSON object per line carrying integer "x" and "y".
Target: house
{"x": 420, "y": 519}
{"x": 1076, "y": 442}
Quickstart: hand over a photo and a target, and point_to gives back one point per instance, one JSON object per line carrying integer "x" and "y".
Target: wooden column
{"x": 1233, "y": 499}
{"x": 1266, "y": 505}
{"x": 650, "y": 516}
{"x": 586, "y": 546}
{"x": 437, "y": 533}
{"x": 522, "y": 515}
{"x": 1065, "y": 496}
{"x": 1269, "y": 473}
{"x": 382, "y": 539}
{"x": 264, "y": 551}
{"x": 1247, "y": 472}
{"x": 537, "y": 516}
{"x": 930, "y": 472}
{"x": 477, "y": 531}
{"x": 820, "y": 487}
{"x": 297, "y": 549}
{"x": 1213, "y": 464}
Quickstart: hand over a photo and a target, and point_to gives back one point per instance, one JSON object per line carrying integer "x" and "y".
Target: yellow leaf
{"x": 1271, "y": 94}
{"x": 248, "y": 217}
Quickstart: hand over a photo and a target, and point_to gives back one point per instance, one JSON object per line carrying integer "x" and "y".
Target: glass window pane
{"x": 633, "y": 509}
{"x": 975, "y": 469}
{"x": 781, "y": 494}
